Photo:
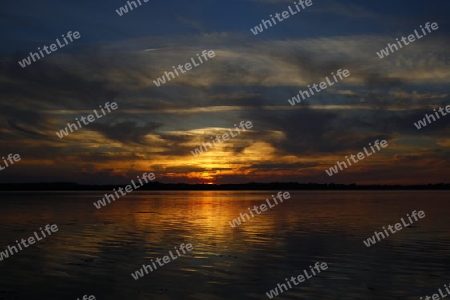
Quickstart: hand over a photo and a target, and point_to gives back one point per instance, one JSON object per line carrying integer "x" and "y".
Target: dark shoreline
{"x": 67, "y": 186}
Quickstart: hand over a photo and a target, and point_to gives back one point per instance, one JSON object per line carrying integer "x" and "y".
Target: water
{"x": 95, "y": 251}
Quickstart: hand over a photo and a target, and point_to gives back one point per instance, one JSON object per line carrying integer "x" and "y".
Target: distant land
{"x": 252, "y": 186}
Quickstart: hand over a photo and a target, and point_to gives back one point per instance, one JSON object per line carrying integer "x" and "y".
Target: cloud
{"x": 247, "y": 80}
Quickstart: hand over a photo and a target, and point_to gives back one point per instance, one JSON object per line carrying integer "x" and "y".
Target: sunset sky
{"x": 250, "y": 79}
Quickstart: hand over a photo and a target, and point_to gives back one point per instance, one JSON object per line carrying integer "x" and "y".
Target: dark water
{"x": 95, "y": 251}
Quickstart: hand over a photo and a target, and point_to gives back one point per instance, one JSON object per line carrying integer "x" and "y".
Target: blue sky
{"x": 25, "y": 24}
{"x": 251, "y": 78}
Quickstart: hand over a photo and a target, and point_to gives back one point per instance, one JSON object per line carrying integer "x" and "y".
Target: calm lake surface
{"x": 96, "y": 250}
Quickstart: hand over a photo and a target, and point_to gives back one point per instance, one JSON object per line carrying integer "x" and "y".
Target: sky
{"x": 117, "y": 58}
